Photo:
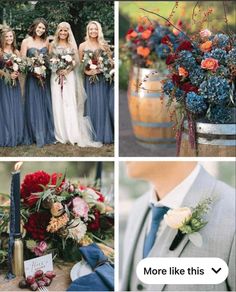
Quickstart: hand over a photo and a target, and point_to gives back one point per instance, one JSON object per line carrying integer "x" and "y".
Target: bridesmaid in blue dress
{"x": 11, "y": 106}
{"x": 100, "y": 96}
{"x": 39, "y": 126}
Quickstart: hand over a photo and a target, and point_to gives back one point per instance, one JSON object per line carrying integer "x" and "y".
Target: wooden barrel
{"x": 213, "y": 140}
{"x": 150, "y": 119}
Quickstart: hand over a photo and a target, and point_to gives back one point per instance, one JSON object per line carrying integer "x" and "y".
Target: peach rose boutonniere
{"x": 188, "y": 221}
{"x": 210, "y": 64}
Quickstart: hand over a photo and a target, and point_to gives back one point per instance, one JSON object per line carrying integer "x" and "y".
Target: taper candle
{"x": 16, "y": 195}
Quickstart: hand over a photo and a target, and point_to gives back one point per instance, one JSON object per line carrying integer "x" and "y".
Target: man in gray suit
{"x": 179, "y": 184}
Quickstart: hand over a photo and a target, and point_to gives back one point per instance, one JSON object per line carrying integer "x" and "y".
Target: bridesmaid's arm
{"x": 81, "y": 53}
{"x": 24, "y": 47}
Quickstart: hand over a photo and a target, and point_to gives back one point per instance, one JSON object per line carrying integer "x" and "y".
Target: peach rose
{"x": 146, "y": 34}
{"x": 206, "y": 47}
{"x": 205, "y": 33}
{"x": 57, "y": 209}
{"x": 182, "y": 72}
{"x": 176, "y": 218}
{"x": 210, "y": 64}
{"x": 142, "y": 51}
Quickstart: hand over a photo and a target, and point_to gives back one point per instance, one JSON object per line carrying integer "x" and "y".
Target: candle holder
{"x": 18, "y": 256}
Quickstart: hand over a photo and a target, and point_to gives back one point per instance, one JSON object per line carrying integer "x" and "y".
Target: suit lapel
{"x": 201, "y": 188}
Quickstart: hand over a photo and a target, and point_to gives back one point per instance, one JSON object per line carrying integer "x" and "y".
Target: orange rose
{"x": 210, "y": 64}
{"x": 131, "y": 35}
{"x": 142, "y": 51}
{"x": 206, "y": 47}
{"x": 146, "y": 34}
{"x": 183, "y": 72}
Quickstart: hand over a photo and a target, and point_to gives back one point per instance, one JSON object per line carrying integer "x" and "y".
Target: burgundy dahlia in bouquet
{"x": 149, "y": 43}
{"x": 202, "y": 78}
{"x": 60, "y": 216}
{"x": 37, "y": 67}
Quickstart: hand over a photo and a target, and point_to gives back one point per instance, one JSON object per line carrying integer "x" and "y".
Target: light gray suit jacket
{"x": 218, "y": 235}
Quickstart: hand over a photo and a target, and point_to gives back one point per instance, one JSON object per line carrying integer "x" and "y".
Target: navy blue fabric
{"x": 39, "y": 125}
{"x": 102, "y": 279}
{"x": 157, "y": 215}
{"x": 11, "y": 113}
{"x": 98, "y": 107}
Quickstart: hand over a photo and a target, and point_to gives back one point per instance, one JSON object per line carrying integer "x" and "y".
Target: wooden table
{"x": 60, "y": 283}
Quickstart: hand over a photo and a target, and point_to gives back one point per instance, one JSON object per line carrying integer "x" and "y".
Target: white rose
{"x": 176, "y": 218}
{"x": 205, "y": 33}
{"x": 15, "y": 67}
{"x": 91, "y": 194}
{"x": 100, "y": 59}
{"x": 77, "y": 230}
{"x": 68, "y": 58}
{"x": 38, "y": 70}
{"x": 92, "y": 66}
{"x": 18, "y": 60}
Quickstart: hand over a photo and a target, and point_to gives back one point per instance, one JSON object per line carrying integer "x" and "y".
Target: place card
{"x": 43, "y": 263}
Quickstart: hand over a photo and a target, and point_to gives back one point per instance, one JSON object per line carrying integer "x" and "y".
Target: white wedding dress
{"x": 68, "y": 109}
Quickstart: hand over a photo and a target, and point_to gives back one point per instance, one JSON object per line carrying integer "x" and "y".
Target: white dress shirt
{"x": 174, "y": 198}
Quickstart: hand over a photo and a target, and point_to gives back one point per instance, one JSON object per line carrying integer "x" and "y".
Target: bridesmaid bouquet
{"x": 62, "y": 62}
{"x": 36, "y": 65}
{"x": 105, "y": 65}
{"x": 12, "y": 63}
{"x": 90, "y": 62}
{"x": 60, "y": 216}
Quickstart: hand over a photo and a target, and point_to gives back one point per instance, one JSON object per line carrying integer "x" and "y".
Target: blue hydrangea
{"x": 220, "y": 115}
{"x": 222, "y": 40}
{"x": 196, "y": 76}
{"x": 179, "y": 95}
{"x": 215, "y": 90}
{"x": 231, "y": 57}
{"x": 219, "y": 55}
{"x": 186, "y": 60}
{"x": 195, "y": 103}
{"x": 168, "y": 87}
{"x": 162, "y": 51}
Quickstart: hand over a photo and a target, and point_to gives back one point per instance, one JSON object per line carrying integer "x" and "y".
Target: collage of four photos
{"x": 117, "y": 143}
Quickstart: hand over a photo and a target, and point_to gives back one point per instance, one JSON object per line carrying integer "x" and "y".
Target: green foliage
{"x": 78, "y": 13}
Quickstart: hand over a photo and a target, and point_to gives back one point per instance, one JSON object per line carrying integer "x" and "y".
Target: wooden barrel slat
{"x": 213, "y": 140}
{"x": 150, "y": 119}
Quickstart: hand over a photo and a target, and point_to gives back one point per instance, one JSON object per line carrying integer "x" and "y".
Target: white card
{"x": 43, "y": 263}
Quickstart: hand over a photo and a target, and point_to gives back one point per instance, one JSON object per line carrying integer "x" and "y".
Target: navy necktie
{"x": 157, "y": 215}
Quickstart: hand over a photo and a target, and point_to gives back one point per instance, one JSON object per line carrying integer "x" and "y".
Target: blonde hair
{"x": 100, "y": 38}
{"x": 70, "y": 39}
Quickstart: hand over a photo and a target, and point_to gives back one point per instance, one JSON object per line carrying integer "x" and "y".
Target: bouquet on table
{"x": 202, "y": 81}
{"x": 37, "y": 67}
{"x": 62, "y": 61}
{"x": 147, "y": 45}
{"x": 12, "y": 63}
{"x": 101, "y": 61}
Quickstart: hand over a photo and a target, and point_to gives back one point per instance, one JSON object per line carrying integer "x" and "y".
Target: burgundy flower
{"x": 37, "y": 224}
{"x": 170, "y": 59}
{"x": 95, "y": 224}
{"x": 165, "y": 40}
{"x": 140, "y": 28}
{"x": 9, "y": 63}
{"x": 129, "y": 31}
{"x": 55, "y": 177}
{"x": 185, "y": 45}
{"x": 187, "y": 87}
{"x": 176, "y": 79}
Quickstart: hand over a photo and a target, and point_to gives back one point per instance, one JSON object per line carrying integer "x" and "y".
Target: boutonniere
{"x": 188, "y": 221}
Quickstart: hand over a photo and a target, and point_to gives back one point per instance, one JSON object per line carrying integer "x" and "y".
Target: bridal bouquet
{"x": 12, "y": 63}
{"x": 64, "y": 61}
{"x": 60, "y": 216}
{"x": 149, "y": 44}
{"x": 202, "y": 80}
{"x": 36, "y": 65}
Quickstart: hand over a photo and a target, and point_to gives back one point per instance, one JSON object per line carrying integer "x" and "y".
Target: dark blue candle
{"x": 16, "y": 195}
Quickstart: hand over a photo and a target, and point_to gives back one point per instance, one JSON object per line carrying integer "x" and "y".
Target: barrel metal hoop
{"x": 145, "y": 94}
{"x": 152, "y": 125}
{"x": 216, "y": 142}
{"x": 214, "y": 129}
{"x": 157, "y": 140}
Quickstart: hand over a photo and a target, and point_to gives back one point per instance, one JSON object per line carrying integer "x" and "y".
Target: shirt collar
{"x": 176, "y": 196}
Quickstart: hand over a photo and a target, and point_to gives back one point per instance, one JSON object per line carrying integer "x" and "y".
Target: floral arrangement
{"x": 189, "y": 221}
{"x": 59, "y": 216}
{"x": 148, "y": 43}
{"x": 63, "y": 61}
{"x": 12, "y": 63}
{"x": 202, "y": 79}
{"x": 98, "y": 60}
{"x": 37, "y": 66}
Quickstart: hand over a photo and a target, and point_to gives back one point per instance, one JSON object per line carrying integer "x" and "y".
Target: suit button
{"x": 140, "y": 287}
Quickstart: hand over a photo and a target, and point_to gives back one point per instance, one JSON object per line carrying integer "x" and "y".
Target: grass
{"x": 58, "y": 150}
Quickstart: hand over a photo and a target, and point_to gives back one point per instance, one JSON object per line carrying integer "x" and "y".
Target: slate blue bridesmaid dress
{"x": 11, "y": 112}
{"x": 39, "y": 126}
{"x": 99, "y": 106}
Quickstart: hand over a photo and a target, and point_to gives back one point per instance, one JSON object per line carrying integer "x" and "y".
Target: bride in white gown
{"x": 68, "y": 94}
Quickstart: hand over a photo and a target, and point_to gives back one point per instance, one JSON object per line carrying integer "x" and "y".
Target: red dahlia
{"x": 37, "y": 224}
{"x": 95, "y": 224}
{"x": 187, "y": 87}
{"x": 185, "y": 46}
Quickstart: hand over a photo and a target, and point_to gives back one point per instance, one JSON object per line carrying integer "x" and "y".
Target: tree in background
{"x": 20, "y": 14}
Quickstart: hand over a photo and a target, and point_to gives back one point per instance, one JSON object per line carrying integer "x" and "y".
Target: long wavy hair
{"x": 3, "y": 33}
{"x": 32, "y": 28}
{"x": 101, "y": 41}
{"x": 70, "y": 39}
